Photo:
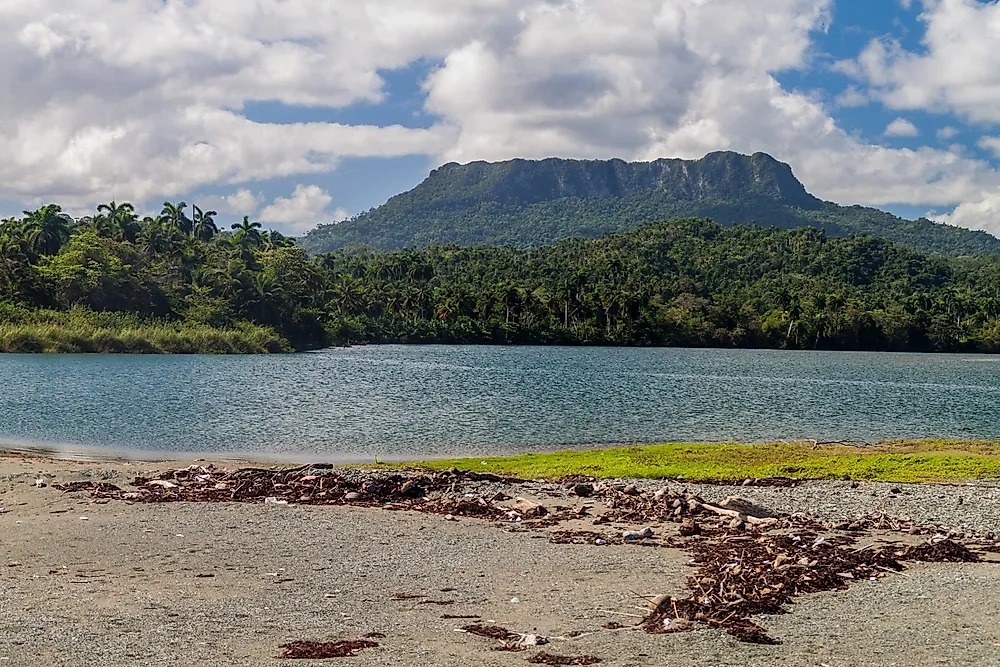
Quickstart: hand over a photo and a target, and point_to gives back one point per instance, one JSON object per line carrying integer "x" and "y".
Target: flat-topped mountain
{"x": 534, "y": 202}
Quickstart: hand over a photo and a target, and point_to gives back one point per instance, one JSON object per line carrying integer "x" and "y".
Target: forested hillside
{"x": 531, "y": 203}
{"x": 679, "y": 283}
{"x": 172, "y": 283}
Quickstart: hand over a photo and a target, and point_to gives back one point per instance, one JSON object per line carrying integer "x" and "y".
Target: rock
{"x": 747, "y": 482}
{"x": 499, "y": 497}
{"x": 737, "y": 524}
{"x": 583, "y": 490}
{"x": 855, "y": 485}
{"x": 843, "y": 525}
{"x": 895, "y": 490}
{"x": 660, "y": 494}
{"x": 528, "y": 508}
{"x": 633, "y": 535}
{"x": 631, "y": 490}
{"x": 747, "y": 507}
{"x": 598, "y": 521}
{"x": 450, "y": 517}
{"x": 689, "y": 527}
{"x": 583, "y": 510}
{"x": 961, "y": 500}
{"x": 271, "y": 500}
{"x": 162, "y": 483}
{"x": 353, "y": 496}
{"x": 855, "y": 526}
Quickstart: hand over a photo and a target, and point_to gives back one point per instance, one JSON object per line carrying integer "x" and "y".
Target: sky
{"x": 299, "y": 112}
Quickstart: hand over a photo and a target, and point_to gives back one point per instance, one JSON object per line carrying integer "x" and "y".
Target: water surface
{"x": 405, "y": 401}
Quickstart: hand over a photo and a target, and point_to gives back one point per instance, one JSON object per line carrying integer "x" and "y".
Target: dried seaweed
{"x": 310, "y": 650}
{"x": 489, "y": 631}
{"x": 544, "y": 658}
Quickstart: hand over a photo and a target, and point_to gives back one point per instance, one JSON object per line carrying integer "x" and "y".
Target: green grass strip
{"x": 898, "y": 461}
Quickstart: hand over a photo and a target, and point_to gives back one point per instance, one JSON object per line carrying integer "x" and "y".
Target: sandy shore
{"x": 87, "y": 581}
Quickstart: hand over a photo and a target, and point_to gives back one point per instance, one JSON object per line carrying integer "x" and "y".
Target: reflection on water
{"x": 399, "y": 401}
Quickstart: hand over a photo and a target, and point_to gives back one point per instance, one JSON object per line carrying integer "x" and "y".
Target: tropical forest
{"x": 178, "y": 282}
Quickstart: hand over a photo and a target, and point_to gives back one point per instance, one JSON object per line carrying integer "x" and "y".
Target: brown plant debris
{"x": 461, "y": 616}
{"x": 309, "y": 650}
{"x": 490, "y": 631}
{"x": 375, "y": 635}
{"x": 944, "y": 551}
{"x": 440, "y": 603}
{"x": 544, "y": 658}
{"x": 314, "y": 484}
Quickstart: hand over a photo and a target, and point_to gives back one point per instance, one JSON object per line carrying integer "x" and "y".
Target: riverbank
{"x": 83, "y": 331}
{"x": 91, "y": 578}
{"x": 893, "y": 461}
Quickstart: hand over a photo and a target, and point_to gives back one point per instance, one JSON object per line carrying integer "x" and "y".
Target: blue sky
{"x": 299, "y": 112}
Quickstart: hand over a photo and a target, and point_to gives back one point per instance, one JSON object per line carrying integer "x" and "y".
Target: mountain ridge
{"x": 535, "y": 202}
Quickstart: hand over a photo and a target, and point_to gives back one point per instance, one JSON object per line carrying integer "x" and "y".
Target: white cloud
{"x": 946, "y": 133}
{"x": 144, "y": 99}
{"x": 957, "y": 68}
{"x": 901, "y": 128}
{"x": 307, "y": 207}
{"x": 991, "y": 144}
{"x": 851, "y": 97}
{"x": 241, "y": 202}
{"x": 983, "y": 213}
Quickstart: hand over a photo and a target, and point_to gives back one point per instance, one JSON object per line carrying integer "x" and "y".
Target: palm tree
{"x": 173, "y": 214}
{"x": 204, "y": 227}
{"x": 247, "y": 232}
{"x": 47, "y": 229}
{"x": 118, "y": 221}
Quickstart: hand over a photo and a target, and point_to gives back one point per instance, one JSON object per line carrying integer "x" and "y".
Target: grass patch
{"x": 81, "y": 330}
{"x": 898, "y": 461}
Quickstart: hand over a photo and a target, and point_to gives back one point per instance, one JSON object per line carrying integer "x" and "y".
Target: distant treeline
{"x": 174, "y": 283}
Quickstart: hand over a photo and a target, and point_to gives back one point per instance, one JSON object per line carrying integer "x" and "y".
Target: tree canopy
{"x": 683, "y": 282}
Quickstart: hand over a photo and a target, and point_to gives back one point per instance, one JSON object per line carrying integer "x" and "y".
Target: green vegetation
{"x": 115, "y": 283}
{"x": 80, "y": 330}
{"x": 533, "y": 203}
{"x": 680, "y": 283}
{"x": 925, "y": 461}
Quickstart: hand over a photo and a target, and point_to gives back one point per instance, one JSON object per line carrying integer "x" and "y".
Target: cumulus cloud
{"x": 956, "y": 69}
{"x": 304, "y": 209}
{"x": 146, "y": 99}
{"x": 241, "y": 202}
{"x": 946, "y": 133}
{"x": 983, "y": 213}
{"x": 901, "y": 128}
{"x": 851, "y": 97}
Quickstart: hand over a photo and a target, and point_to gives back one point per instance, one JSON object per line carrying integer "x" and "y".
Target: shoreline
{"x": 916, "y": 461}
{"x": 93, "y": 575}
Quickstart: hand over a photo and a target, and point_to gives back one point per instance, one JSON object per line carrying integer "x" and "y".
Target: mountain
{"x": 535, "y": 202}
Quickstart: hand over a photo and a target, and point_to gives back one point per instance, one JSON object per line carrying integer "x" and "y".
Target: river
{"x": 399, "y": 402}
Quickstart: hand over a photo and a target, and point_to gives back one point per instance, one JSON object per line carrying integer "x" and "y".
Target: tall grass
{"x": 81, "y": 330}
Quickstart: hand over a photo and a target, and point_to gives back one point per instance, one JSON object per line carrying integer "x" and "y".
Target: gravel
{"x": 130, "y": 584}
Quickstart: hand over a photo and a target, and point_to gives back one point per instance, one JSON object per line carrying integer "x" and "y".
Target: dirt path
{"x": 183, "y": 584}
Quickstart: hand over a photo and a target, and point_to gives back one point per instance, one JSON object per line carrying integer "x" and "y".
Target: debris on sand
{"x": 943, "y": 551}
{"x": 309, "y": 650}
{"x": 551, "y": 659}
{"x": 489, "y": 631}
{"x": 313, "y": 484}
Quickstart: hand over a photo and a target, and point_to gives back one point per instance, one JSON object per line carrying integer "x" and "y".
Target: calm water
{"x": 406, "y": 401}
